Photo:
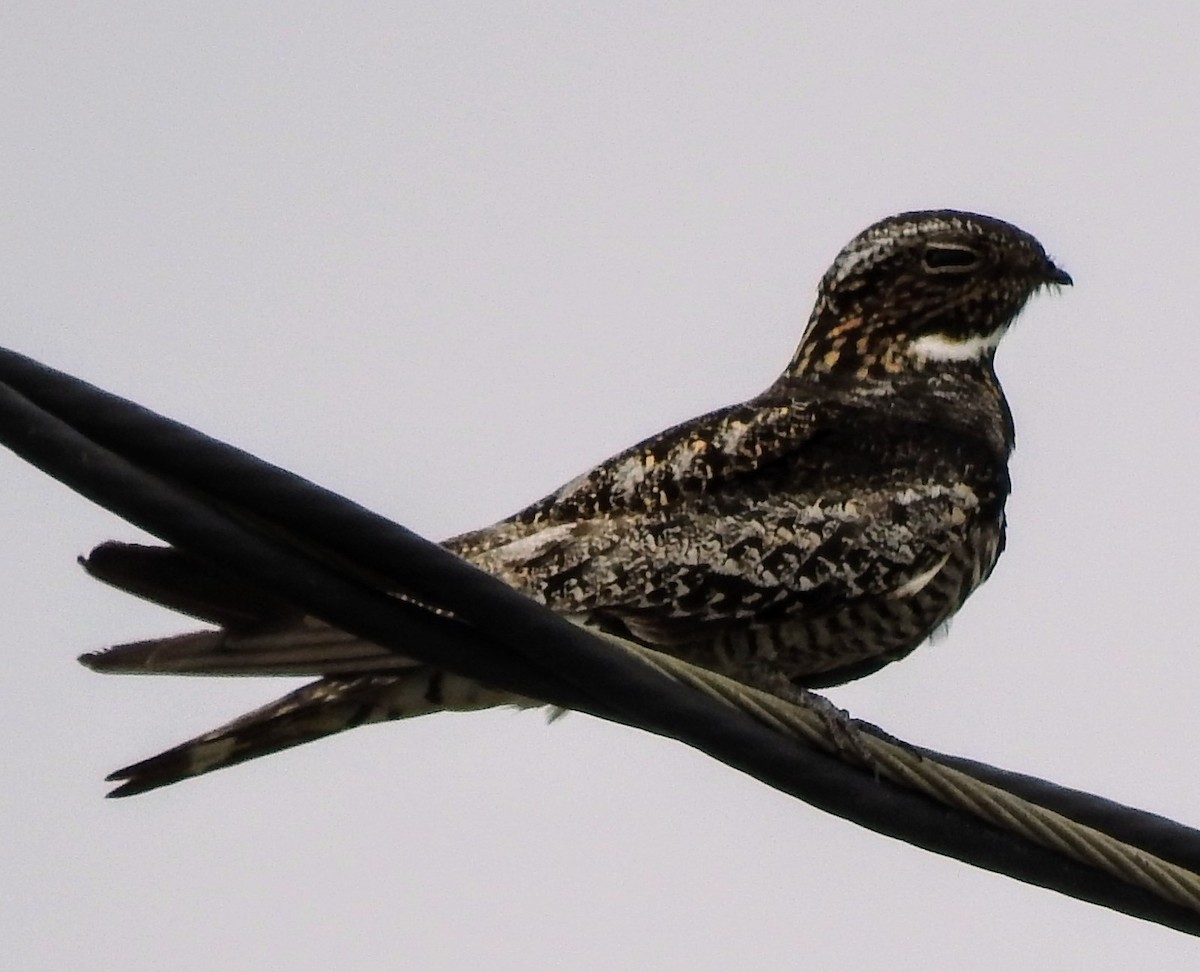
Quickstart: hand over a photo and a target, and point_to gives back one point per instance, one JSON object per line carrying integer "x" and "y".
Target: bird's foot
{"x": 842, "y": 733}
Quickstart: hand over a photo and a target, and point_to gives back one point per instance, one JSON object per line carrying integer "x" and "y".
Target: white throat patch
{"x": 939, "y": 347}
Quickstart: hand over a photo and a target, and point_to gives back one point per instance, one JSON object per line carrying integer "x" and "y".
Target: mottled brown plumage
{"x": 804, "y": 538}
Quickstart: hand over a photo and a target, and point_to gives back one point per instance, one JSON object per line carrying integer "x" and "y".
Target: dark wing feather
{"x": 183, "y": 583}
{"x": 261, "y": 634}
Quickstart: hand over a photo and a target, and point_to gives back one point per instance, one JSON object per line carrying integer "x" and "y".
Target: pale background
{"x": 442, "y": 257}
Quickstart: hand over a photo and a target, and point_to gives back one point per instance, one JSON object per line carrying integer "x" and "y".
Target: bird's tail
{"x": 359, "y": 682}
{"x": 321, "y": 708}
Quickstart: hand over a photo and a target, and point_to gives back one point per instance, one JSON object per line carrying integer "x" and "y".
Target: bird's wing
{"x": 256, "y": 634}
{"x": 260, "y": 634}
{"x": 774, "y": 505}
{"x": 700, "y": 525}
{"x": 722, "y": 561}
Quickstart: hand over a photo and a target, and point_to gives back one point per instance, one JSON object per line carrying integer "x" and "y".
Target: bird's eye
{"x": 942, "y": 258}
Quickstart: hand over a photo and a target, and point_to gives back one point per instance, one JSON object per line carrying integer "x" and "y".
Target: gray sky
{"x": 442, "y": 258}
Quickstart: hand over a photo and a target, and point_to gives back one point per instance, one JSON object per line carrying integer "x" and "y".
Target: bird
{"x": 801, "y": 539}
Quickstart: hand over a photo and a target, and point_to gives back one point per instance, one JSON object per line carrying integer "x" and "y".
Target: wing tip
{"x": 94, "y": 660}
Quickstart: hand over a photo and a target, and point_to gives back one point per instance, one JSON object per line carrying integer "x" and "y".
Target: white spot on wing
{"x": 524, "y": 549}
{"x": 914, "y": 585}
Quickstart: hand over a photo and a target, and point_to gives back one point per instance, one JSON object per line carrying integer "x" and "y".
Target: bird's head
{"x": 922, "y": 289}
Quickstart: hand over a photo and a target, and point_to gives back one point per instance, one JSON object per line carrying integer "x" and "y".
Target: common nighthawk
{"x": 804, "y": 538}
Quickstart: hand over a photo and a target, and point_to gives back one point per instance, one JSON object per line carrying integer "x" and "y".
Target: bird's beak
{"x": 1054, "y": 274}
